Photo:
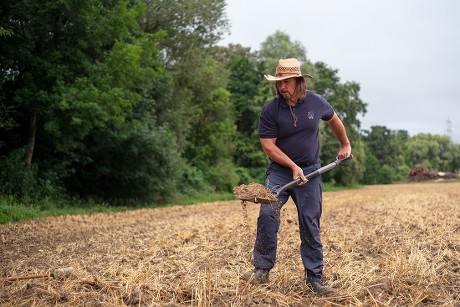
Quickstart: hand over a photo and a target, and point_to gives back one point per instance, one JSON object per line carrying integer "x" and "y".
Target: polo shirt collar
{"x": 284, "y": 104}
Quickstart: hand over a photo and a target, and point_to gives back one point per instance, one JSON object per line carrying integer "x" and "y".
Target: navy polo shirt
{"x": 300, "y": 143}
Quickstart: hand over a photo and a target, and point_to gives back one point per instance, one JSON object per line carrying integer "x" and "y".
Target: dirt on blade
{"x": 254, "y": 192}
{"x": 387, "y": 245}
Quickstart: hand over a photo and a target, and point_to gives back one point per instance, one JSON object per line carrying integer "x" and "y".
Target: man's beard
{"x": 287, "y": 95}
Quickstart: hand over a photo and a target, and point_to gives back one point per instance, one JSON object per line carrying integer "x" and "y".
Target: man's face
{"x": 286, "y": 88}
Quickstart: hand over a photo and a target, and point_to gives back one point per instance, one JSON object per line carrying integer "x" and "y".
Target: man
{"x": 289, "y": 135}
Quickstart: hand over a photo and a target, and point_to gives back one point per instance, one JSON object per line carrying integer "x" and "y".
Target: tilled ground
{"x": 392, "y": 245}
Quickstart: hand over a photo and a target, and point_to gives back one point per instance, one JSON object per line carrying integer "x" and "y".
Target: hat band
{"x": 288, "y": 74}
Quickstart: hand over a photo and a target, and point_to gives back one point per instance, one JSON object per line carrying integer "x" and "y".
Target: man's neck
{"x": 292, "y": 102}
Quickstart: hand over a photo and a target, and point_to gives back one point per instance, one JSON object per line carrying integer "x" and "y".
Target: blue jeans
{"x": 308, "y": 200}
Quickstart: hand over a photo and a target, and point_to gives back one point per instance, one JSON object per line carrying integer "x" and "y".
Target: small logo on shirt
{"x": 311, "y": 114}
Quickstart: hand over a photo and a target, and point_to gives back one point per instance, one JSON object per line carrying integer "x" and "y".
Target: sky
{"x": 405, "y": 54}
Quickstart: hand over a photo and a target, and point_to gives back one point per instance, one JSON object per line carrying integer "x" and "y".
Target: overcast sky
{"x": 405, "y": 54}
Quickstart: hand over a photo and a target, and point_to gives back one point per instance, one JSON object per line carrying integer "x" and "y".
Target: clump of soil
{"x": 254, "y": 192}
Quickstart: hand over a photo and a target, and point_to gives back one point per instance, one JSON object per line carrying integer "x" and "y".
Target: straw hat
{"x": 287, "y": 68}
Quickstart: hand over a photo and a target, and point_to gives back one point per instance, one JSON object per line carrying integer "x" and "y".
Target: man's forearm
{"x": 339, "y": 130}
{"x": 270, "y": 149}
{"x": 341, "y": 134}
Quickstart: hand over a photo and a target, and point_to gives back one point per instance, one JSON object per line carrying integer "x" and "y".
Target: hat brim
{"x": 273, "y": 78}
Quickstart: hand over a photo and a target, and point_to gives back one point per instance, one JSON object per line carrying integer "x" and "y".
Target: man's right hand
{"x": 297, "y": 172}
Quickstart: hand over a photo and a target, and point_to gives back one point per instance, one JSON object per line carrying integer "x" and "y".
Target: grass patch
{"x": 15, "y": 212}
{"x": 12, "y": 210}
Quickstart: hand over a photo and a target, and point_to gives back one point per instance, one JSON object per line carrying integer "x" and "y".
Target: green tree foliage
{"x": 372, "y": 167}
{"x": 89, "y": 82}
{"x": 389, "y": 149}
{"x": 210, "y": 145}
{"x": 199, "y": 111}
{"x": 186, "y": 54}
{"x": 51, "y": 44}
{"x": 434, "y": 151}
{"x": 244, "y": 82}
{"x": 382, "y": 145}
{"x": 392, "y": 153}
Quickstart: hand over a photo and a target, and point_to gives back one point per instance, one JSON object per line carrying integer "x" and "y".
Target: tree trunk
{"x": 32, "y": 135}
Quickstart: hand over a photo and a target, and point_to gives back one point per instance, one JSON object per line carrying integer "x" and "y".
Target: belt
{"x": 307, "y": 164}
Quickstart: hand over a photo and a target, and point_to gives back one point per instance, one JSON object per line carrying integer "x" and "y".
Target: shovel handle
{"x": 24, "y": 277}
{"x": 314, "y": 174}
{"x": 328, "y": 167}
{"x": 59, "y": 273}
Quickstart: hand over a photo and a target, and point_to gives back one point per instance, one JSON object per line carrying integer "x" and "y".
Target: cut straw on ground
{"x": 388, "y": 245}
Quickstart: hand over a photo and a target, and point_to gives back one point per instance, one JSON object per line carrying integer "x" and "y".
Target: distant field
{"x": 389, "y": 245}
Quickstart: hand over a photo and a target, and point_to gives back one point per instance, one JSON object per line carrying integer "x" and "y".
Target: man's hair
{"x": 300, "y": 87}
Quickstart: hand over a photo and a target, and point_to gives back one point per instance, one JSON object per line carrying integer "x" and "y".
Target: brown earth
{"x": 392, "y": 245}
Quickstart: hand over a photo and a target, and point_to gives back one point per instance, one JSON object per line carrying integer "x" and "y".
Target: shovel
{"x": 277, "y": 191}
{"x": 59, "y": 274}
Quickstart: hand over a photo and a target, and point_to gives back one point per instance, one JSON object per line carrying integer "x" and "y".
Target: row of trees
{"x": 391, "y": 153}
{"x": 130, "y": 100}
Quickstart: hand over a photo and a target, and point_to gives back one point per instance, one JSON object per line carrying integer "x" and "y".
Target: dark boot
{"x": 257, "y": 276}
{"x": 319, "y": 288}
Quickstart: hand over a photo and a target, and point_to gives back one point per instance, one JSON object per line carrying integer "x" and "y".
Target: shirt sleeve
{"x": 327, "y": 110}
{"x": 267, "y": 124}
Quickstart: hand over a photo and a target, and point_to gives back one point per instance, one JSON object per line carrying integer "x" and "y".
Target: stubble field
{"x": 392, "y": 245}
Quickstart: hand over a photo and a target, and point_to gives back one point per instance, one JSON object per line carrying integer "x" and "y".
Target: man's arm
{"x": 273, "y": 151}
{"x": 341, "y": 134}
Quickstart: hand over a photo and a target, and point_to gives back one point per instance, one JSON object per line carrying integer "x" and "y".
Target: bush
{"x": 128, "y": 168}
{"x": 13, "y": 211}
{"x": 194, "y": 182}
{"x": 223, "y": 176}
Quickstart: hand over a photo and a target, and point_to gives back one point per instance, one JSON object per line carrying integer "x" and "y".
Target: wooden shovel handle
{"x": 59, "y": 273}
{"x": 24, "y": 277}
